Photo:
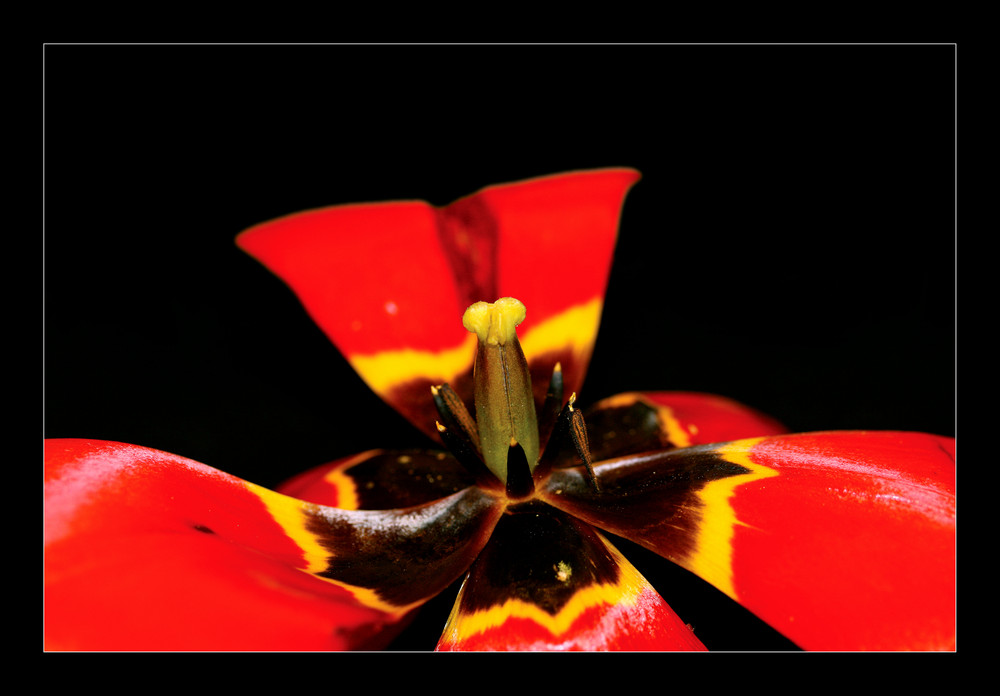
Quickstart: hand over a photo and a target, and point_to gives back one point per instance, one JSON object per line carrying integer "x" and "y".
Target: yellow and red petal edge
{"x": 546, "y": 581}
{"x": 386, "y": 281}
{"x": 839, "y": 540}
{"x": 146, "y": 550}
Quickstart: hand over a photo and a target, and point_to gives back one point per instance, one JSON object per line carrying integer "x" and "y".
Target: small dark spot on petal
{"x": 203, "y": 528}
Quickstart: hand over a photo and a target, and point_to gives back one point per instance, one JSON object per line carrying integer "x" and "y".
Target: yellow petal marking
{"x": 672, "y": 427}
{"x": 712, "y": 559}
{"x": 388, "y": 369}
{"x": 624, "y": 592}
{"x": 291, "y": 514}
{"x": 574, "y": 328}
{"x": 347, "y": 491}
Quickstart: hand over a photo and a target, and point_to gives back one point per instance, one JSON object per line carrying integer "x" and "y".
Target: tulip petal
{"x": 146, "y": 550}
{"x": 381, "y": 480}
{"x": 840, "y": 540}
{"x": 396, "y": 316}
{"x": 641, "y": 421}
{"x": 548, "y": 582}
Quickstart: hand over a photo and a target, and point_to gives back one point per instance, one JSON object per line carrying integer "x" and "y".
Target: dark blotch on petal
{"x": 539, "y": 556}
{"x": 404, "y": 478}
{"x": 615, "y": 431}
{"x": 649, "y": 498}
{"x": 406, "y": 555}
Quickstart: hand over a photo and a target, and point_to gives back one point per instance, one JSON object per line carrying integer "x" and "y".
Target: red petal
{"x": 841, "y": 540}
{"x": 549, "y": 582}
{"x": 150, "y": 551}
{"x": 388, "y": 282}
{"x": 850, "y": 544}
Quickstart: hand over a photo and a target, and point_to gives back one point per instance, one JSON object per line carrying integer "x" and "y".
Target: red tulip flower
{"x": 838, "y": 540}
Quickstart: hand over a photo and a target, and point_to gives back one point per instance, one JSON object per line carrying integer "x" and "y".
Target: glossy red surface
{"x": 852, "y": 545}
{"x": 146, "y": 550}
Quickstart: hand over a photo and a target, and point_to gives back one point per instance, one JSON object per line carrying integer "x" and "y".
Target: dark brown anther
{"x": 456, "y": 416}
{"x": 519, "y": 481}
{"x": 578, "y": 434}
{"x": 569, "y": 429}
{"x": 550, "y": 409}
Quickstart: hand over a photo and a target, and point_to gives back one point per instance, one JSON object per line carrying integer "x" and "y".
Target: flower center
{"x": 504, "y": 442}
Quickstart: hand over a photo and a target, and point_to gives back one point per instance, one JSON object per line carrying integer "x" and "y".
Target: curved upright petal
{"x": 548, "y": 582}
{"x": 388, "y": 282}
{"x": 146, "y": 550}
{"x": 840, "y": 540}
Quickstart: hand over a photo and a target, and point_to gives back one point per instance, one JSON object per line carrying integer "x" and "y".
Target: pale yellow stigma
{"x": 494, "y": 322}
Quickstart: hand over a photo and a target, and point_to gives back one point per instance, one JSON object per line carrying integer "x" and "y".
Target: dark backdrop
{"x": 791, "y": 243}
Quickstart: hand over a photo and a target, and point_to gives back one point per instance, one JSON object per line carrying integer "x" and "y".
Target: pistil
{"x": 505, "y": 405}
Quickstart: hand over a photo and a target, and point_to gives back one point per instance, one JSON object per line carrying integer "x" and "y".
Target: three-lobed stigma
{"x": 494, "y": 322}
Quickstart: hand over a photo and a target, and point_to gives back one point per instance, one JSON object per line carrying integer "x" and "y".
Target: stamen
{"x": 456, "y": 416}
{"x": 505, "y": 405}
{"x": 569, "y": 428}
{"x": 551, "y": 407}
{"x": 578, "y": 434}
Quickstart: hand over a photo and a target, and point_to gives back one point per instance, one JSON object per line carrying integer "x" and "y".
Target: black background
{"x": 791, "y": 243}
